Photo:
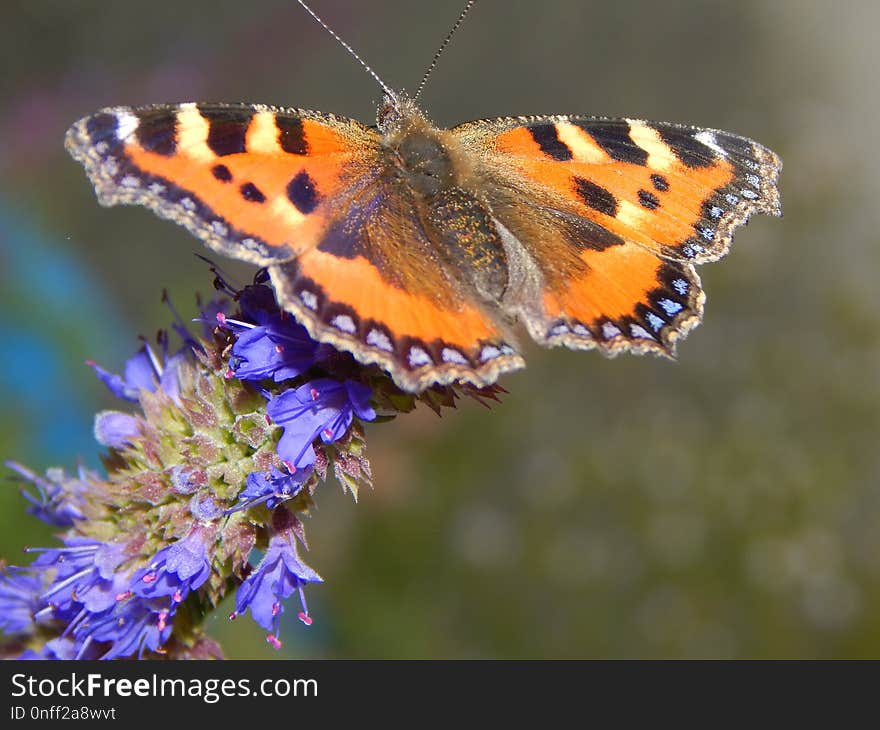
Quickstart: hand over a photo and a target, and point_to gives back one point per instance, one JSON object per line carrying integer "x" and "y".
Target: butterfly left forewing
{"x": 253, "y": 182}
{"x": 614, "y": 213}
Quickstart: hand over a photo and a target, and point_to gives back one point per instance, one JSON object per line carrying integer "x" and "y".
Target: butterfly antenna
{"x": 443, "y": 45}
{"x": 351, "y": 50}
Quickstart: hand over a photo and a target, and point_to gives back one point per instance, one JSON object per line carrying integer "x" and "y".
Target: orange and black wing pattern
{"x": 247, "y": 180}
{"x": 615, "y": 213}
{"x": 308, "y": 195}
{"x": 378, "y": 286}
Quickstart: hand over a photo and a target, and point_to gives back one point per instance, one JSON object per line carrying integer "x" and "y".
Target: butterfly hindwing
{"x": 376, "y": 286}
{"x": 614, "y": 213}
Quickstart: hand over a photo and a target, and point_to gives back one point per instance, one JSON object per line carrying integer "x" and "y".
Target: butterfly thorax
{"x": 429, "y": 164}
{"x": 424, "y": 162}
{"x": 413, "y": 147}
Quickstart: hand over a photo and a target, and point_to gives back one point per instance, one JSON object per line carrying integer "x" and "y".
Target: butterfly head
{"x": 397, "y": 112}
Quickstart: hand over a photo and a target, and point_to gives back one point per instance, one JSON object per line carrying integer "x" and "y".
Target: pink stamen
{"x": 279, "y": 348}
{"x": 314, "y": 393}
{"x": 328, "y": 433}
{"x": 122, "y": 596}
{"x": 161, "y": 622}
{"x": 221, "y": 318}
{"x": 233, "y": 616}
{"x": 268, "y": 420}
{"x": 149, "y": 578}
{"x": 273, "y": 641}
{"x": 229, "y": 374}
{"x": 289, "y": 466}
{"x": 177, "y": 598}
{"x": 305, "y": 618}
{"x": 91, "y": 363}
{"x": 276, "y": 608}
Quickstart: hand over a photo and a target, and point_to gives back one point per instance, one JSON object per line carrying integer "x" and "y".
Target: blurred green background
{"x": 725, "y": 505}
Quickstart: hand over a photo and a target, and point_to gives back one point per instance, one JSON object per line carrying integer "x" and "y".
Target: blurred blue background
{"x": 725, "y": 505}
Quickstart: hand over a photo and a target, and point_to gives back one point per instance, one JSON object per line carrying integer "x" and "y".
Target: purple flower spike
{"x": 133, "y": 625}
{"x": 116, "y": 430}
{"x": 140, "y": 374}
{"x": 85, "y": 574}
{"x": 178, "y": 569}
{"x": 321, "y": 408}
{"x": 279, "y": 574}
{"x": 59, "y": 497}
{"x": 204, "y": 508}
{"x": 274, "y": 347}
{"x": 144, "y": 371}
{"x": 19, "y": 600}
{"x": 272, "y": 488}
{"x": 61, "y": 648}
{"x": 183, "y": 481}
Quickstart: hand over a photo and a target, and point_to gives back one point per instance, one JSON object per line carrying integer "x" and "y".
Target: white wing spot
{"x": 731, "y": 198}
{"x": 559, "y": 329}
{"x": 638, "y": 331}
{"x": 707, "y": 233}
{"x": 378, "y": 339}
{"x": 656, "y": 323}
{"x": 418, "y": 357}
{"x": 670, "y": 307}
{"x": 345, "y": 323}
{"x": 709, "y": 139}
{"x": 579, "y": 329}
{"x": 681, "y": 286}
{"x": 126, "y": 125}
{"x": 188, "y": 204}
{"x": 130, "y": 181}
{"x": 715, "y": 211}
{"x": 220, "y": 228}
{"x": 156, "y": 188}
{"x": 309, "y": 298}
{"x": 610, "y": 330}
{"x": 489, "y": 352}
{"x": 452, "y": 355}
{"x": 748, "y": 194}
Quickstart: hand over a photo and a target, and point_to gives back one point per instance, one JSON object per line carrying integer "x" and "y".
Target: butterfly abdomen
{"x": 464, "y": 229}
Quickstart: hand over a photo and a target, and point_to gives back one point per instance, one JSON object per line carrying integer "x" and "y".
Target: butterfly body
{"x": 419, "y": 248}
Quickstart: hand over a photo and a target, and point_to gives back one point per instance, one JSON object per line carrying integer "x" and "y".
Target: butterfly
{"x": 419, "y": 248}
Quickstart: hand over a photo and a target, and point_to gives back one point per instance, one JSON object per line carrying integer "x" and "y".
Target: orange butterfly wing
{"x": 247, "y": 180}
{"x": 614, "y": 213}
{"x": 303, "y": 193}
